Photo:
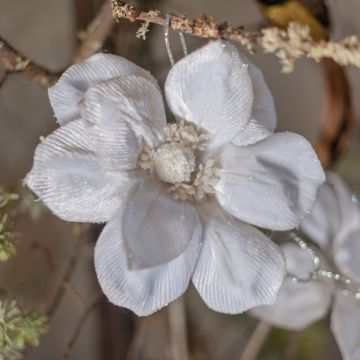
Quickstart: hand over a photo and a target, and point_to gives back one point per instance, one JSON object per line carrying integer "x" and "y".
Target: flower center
{"x": 174, "y": 163}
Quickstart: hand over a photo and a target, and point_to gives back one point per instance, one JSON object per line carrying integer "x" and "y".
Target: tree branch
{"x": 68, "y": 272}
{"x": 94, "y": 36}
{"x": 256, "y": 341}
{"x": 178, "y": 331}
{"x": 15, "y": 62}
{"x": 288, "y": 45}
{"x": 79, "y": 327}
{"x": 93, "y": 39}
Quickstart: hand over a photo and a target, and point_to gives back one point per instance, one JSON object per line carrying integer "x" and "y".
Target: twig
{"x": 337, "y": 118}
{"x": 256, "y": 341}
{"x": 15, "y": 62}
{"x": 96, "y": 33}
{"x": 36, "y": 245}
{"x": 68, "y": 272}
{"x": 53, "y": 267}
{"x": 138, "y": 339}
{"x": 94, "y": 38}
{"x": 75, "y": 294}
{"x": 178, "y": 333}
{"x": 3, "y": 78}
{"x": 293, "y": 346}
{"x": 287, "y": 45}
{"x": 79, "y": 327}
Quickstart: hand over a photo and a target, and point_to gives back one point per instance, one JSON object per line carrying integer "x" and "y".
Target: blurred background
{"x": 53, "y": 268}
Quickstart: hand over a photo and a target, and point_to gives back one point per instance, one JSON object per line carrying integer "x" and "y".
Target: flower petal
{"x": 263, "y": 118}
{"x": 143, "y": 291}
{"x": 345, "y": 325}
{"x": 324, "y": 221}
{"x": 347, "y": 255}
{"x": 69, "y": 177}
{"x": 121, "y": 112}
{"x": 66, "y": 94}
{"x": 346, "y": 244}
{"x": 212, "y": 88}
{"x": 335, "y": 223}
{"x": 298, "y": 304}
{"x": 157, "y": 228}
{"x": 239, "y": 267}
{"x": 272, "y": 183}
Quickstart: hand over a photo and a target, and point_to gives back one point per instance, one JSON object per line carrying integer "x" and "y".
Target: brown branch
{"x": 256, "y": 341}
{"x": 288, "y": 45}
{"x": 79, "y": 327}
{"x": 96, "y": 33}
{"x": 135, "y": 348}
{"x": 178, "y": 331}
{"x": 337, "y": 118}
{"x": 93, "y": 40}
{"x": 36, "y": 245}
{"x": 68, "y": 272}
{"x": 15, "y": 62}
{"x": 3, "y": 78}
{"x": 75, "y": 294}
{"x": 53, "y": 267}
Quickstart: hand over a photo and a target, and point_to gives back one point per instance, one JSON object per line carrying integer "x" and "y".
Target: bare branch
{"x": 178, "y": 331}
{"x": 15, "y": 62}
{"x": 93, "y": 40}
{"x": 94, "y": 36}
{"x": 337, "y": 118}
{"x": 142, "y": 325}
{"x": 68, "y": 272}
{"x": 288, "y": 45}
{"x": 256, "y": 341}
{"x": 80, "y": 326}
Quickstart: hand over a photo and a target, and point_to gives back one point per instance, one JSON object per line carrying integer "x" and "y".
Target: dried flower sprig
{"x": 6, "y": 198}
{"x": 7, "y": 239}
{"x": 144, "y": 28}
{"x": 288, "y": 45}
{"x": 19, "y": 328}
{"x": 7, "y": 235}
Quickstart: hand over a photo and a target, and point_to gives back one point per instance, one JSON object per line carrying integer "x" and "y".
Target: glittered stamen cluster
{"x": 176, "y": 162}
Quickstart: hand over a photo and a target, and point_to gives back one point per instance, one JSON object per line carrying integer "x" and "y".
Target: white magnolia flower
{"x": 335, "y": 226}
{"x": 178, "y": 198}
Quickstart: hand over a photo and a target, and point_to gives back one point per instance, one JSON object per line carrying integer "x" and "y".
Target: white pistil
{"x": 174, "y": 162}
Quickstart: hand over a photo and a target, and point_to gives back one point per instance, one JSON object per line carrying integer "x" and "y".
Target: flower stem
{"x": 178, "y": 333}
{"x": 256, "y": 341}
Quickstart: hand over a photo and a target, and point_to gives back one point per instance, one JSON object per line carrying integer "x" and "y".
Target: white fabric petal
{"x": 348, "y": 205}
{"x": 347, "y": 255}
{"x": 239, "y": 267}
{"x": 157, "y": 228}
{"x": 345, "y": 324}
{"x": 263, "y": 118}
{"x": 212, "y": 88}
{"x": 271, "y": 184}
{"x": 335, "y": 223}
{"x": 346, "y": 239}
{"x": 69, "y": 177}
{"x": 324, "y": 221}
{"x": 121, "y": 112}
{"x": 298, "y": 304}
{"x": 66, "y": 94}
{"x": 143, "y": 291}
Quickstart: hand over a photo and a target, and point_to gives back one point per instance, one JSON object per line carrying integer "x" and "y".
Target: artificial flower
{"x": 178, "y": 198}
{"x": 334, "y": 225}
